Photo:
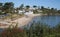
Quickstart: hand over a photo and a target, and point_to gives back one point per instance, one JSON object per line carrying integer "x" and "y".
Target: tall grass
{"x": 34, "y": 30}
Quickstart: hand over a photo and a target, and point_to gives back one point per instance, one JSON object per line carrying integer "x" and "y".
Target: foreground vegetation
{"x": 33, "y": 30}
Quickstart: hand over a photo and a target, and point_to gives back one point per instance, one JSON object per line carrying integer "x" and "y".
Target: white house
{"x": 27, "y": 13}
{"x": 21, "y": 11}
{"x": 30, "y": 11}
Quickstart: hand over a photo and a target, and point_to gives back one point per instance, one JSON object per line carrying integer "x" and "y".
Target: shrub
{"x": 37, "y": 30}
{"x": 13, "y": 32}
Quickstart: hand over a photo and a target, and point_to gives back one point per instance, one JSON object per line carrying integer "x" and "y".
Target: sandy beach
{"x": 20, "y": 21}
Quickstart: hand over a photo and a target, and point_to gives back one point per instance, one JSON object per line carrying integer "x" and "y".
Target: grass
{"x": 34, "y": 30}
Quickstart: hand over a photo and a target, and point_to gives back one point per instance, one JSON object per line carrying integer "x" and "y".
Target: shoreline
{"x": 49, "y": 14}
{"x": 21, "y": 21}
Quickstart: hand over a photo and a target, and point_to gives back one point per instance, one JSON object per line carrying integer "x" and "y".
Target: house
{"x": 28, "y": 11}
{"x": 21, "y": 11}
{"x": 25, "y": 11}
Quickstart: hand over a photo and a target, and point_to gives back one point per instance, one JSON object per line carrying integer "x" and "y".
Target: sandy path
{"x": 25, "y": 20}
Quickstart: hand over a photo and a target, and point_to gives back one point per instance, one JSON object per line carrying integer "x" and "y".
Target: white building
{"x": 27, "y": 13}
{"x": 30, "y": 11}
{"x": 21, "y": 11}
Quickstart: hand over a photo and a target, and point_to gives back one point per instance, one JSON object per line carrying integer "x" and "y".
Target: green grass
{"x": 35, "y": 30}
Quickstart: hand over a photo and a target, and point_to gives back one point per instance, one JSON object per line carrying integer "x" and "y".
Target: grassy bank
{"x": 34, "y": 30}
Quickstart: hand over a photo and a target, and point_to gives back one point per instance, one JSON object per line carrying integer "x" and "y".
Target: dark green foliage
{"x": 1, "y": 13}
{"x": 59, "y": 11}
{"x": 8, "y": 7}
{"x": 35, "y": 11}
{"x": 34, "y": 6}
{"x": 1, "y": 4}
{"x": 27, "y": 7}
{"x": 42, "y": 7}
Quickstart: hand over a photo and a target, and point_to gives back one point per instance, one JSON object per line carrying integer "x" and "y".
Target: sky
{"x": 45, "y": 3}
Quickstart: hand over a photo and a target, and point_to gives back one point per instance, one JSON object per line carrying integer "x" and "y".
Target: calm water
{"x": 50, "y": 20}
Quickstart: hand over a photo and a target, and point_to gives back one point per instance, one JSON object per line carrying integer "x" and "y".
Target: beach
{"x": 20, "y": 21}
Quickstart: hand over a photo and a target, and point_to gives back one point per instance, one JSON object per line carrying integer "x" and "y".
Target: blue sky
{"x": 45, "y": 3}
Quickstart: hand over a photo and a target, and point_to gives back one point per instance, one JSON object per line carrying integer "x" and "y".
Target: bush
{"x": 33, "y": 30}
{"x": 37, "y": 30}
{"x": 13, "y": 32}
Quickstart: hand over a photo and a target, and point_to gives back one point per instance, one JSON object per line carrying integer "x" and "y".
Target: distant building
{"x": 29, "y": 12}
{"x": 26, "y": 11}
{"x": 21, "y": 11}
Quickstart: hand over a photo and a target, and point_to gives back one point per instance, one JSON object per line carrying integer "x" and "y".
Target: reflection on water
{"x": 50, "y": 20}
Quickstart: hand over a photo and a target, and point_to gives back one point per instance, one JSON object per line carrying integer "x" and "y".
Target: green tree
{"x": 8, "y": 6}
{"x": 27, "y": 7}
{"x": 1, "y": 8}
{"x": 42, "y": 7}
{"x": 21, "y": 6}
{"x": 34, "y": 6}
{"x": 1, "y": 5}
{"x": 58, "y": 11}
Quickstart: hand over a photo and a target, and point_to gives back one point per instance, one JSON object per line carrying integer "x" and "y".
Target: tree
{"x": 53, "y": 11}
{"x": 42, "y": 7}
{"x": 52, "y": 8}
{"x": 8, "y": 6}
{"x": 21, "y": 7}
{"x": 1, "y": 5}
{"x": 58, "y": 11}
{"x": 27, "y": 7}
{"x": 34, "y": 6}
